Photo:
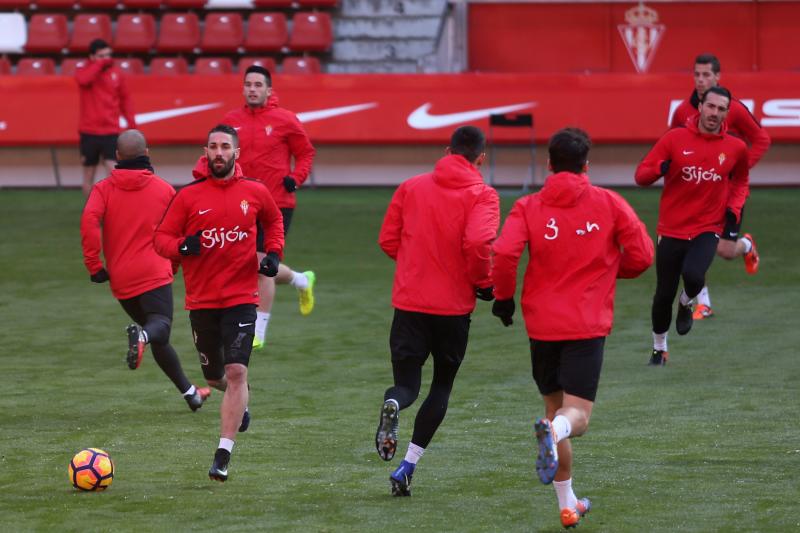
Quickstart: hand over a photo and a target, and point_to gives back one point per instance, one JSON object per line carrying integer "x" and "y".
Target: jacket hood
{"x": 201, "y": 171}
{"x": 692, "y": 125}
{"x": 455, "y": 172}
{"x": 563, "y": 189}
{"x": 130, "y": 180}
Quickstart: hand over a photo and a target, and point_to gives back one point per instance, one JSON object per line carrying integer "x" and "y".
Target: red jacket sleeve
{"x": 632, "y": 238}
{"x": 739, "y": 187}
{"x": 126, "y": 103}
{"x": 170, "y": 232}
{"x": 507, "y": 250}
{"x": 302, "y": 150}
{"x": 649, "y": 170}
{"x": 392, "y": 227}
{"x": 746, "y": 125}
{"x": 272, "y": 223}
{"x": 85, "y": 76}
{"x": 91, "y": 237}
{"x": 481, "y": 229}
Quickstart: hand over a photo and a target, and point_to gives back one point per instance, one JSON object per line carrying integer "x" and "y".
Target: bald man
{"x": 118, "y": 220}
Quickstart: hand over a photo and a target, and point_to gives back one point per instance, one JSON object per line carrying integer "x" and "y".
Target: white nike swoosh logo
{"x": 310, "y": 116}
{"x": 244, "y": 325}
{"x": 687, "y": 153}
{"x": 420, "y": 119}
{"x": 184, "y": 248}
{"x": 203, "y": 211}
{"x": 155, "y": 116}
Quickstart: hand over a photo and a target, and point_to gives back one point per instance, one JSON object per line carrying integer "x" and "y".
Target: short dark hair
{"x": 468, "y": 141}
{"x": 722, "y": 91}
{"x": 224, "y": 128}
{"x": 708, "y": 59}
{"x": 568, "y": 149}
{"x": 258, "y": 69}
{"x": 97, "y": 45}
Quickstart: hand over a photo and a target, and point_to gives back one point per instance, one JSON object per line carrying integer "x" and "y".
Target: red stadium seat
{"x": 33, "y": 66}
{"x": 71, "y": 64}
{"x": 55, "y": 4}
{"x": 13, "y": 4}
{"x": 179, "y": 32}
{"x": 185, "y": 4}
{"x": 130, "y": 65}
{"x": 5, "y": 66}
{"x": 266, "y": 62}
{"x": 317, "y": 3}
{"x": 274, "y": 3}
{"x": 301, "y": 65}
{"x": 88, "y": 27}
{"x": 266, "y": 32}
{"x": 98, "y": 4}
{"x": 311, "y": 32}
{"x": 224, "y": 32}
{"x": 135, "y": 33}
{"x": 213, "y": 65}
{"x": 141, "y": 4}
{"x": 47, "y": 33}
{"x": 168, "y": 66}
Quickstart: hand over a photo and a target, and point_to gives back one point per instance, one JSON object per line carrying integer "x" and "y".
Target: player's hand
{"x": 504, "y": 310}
{"x": 190, "y": 245}
{"x": 665, "y": 166}
{"x": 289, "y": 184}
{"x": 485, "y": 293}
{"x": 269, "y": 265}
{"x": 101, "y": 276}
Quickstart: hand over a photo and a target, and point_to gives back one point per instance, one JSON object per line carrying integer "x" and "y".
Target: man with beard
{"x": 118, "y": 220}
{"x": 705, "y": 173}
{"x": 210, "y": 227}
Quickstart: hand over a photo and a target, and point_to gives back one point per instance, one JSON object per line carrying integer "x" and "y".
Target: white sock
{"x": 146, "y": 336}
{"x": 566, "y": 498}
{"x": 190, "y": 391}
{"x": 226, "y": 444}
{"x": 747, "y": 244}
{"x": 414, "y": 453}
{"x": 660, "y": 341}
{"x": 561, "y": 427}
{"x": 685, "y": 300}
{"x": 299, "y": 280}
{"x": 262, "y": 321}
{"x": 703, "y": 298}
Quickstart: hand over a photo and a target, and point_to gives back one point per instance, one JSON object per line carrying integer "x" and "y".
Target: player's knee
{"x": 236, "y": 373}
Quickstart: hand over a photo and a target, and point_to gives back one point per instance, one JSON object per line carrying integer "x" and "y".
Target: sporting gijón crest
{"x": 642, "y": 34}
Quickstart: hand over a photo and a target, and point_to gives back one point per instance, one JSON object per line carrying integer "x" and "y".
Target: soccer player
{"x": 210, "y": 226}
{"x": 438, "y": 228}
{"x": 270, "y": 137}
{"x": 104, "y": 97}
{"x": 118, "y": 220}
{"x": 741, "y": 123}
{"x": 705, "y": 173}
{"x": 580, "y": 239}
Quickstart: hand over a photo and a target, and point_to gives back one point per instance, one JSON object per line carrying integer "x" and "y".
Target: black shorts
{"x": 223, "y": 337}
{"x": 93, "y": 146}
{"x": 731, "y": 230}
{"x": 287, "y": 213}
{"x": 571, "y": 366}
{"x": 154, "y": 302}
{"x": 417, "y": 335}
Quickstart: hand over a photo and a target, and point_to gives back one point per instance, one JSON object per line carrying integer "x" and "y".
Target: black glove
{"x": 190, "y": 245}
{"x": 101, "y": 276}
{"x": 504, "y": 310}
{"x": 665, "y": 166}
{"x": 485, "y": 293}
{"x": 289, "y": 184}
{"x": 269, "y": 265}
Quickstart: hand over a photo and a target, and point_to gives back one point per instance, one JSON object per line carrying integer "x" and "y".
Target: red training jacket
{"x": 268, "y": 137}
{"x": 127, "y": 205}
{"x": 580, "y": 238}
{"x": 104, "y": 97}
{"x": 225, "y": 273}
{"x": 439, "y": 228}
{"x": 741, "y": 123}
{"x": 707, "y": 174}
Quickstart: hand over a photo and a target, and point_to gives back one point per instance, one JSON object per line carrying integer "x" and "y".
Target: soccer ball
{"x": 91, "y": 469}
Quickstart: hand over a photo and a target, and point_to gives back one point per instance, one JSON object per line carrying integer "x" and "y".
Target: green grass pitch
{"x": 709, "y": 443}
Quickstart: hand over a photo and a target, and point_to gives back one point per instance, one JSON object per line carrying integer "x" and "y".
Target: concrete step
{"x": 391, "y": 8}
{"x": 381, "y": 50}
{"x": 385, "y": 28}
{"x": 372, "y": 67}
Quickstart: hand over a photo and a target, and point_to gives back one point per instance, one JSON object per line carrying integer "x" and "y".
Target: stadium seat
{"x": 179, "y": 32}
{"x": 274, "y": 3}
{"x": 13, "y": 4}
{"x": 311, "y": 32}
{"x": 88, "y": 27}
{"x": 185, "y": 4}
{"x": 266, "y": 62}
{"x": 301, "y": 65}
{"x": 5, "y": 66}
{"x": 213, "y": 65}
{"x": 131, "y": 65}
{"x": 55, "y": 4}
{"x": 141, "y": 4}
{"x": 13, "y": 33}
{"x": 47, "y": 33}
{"x": 35, "y": 66}
{"x": 317, "y": 3}
{"x": 135, "y": 33}
{"x": 98, "y": 4}
{"x": 168, "y": 66}
{"x": 224, "y": 32}
{"x": 71, "y": 64}
{"x": 266, "y": 32}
